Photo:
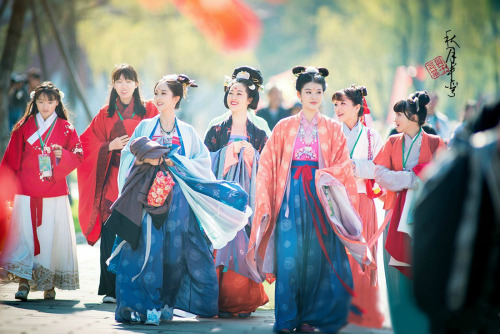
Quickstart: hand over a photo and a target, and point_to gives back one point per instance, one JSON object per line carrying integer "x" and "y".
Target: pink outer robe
{"x": 273, "y": 175}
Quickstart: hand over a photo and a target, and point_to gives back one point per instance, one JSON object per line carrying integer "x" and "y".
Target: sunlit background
{"x": 382, "y": 44}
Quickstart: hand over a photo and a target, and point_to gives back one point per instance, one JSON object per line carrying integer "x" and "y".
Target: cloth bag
{"x": 161, "y": 187}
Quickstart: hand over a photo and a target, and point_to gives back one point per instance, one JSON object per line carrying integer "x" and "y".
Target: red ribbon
{"x": 36, "y": 207}
{"x": 306, "y": 172}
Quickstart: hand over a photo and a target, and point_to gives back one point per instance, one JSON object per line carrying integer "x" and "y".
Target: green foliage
{"x": 361, "y": 42}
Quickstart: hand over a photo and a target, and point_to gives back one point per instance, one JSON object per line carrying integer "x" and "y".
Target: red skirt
{"x": 366, "y": 284}
{"x": 239, "y": 294}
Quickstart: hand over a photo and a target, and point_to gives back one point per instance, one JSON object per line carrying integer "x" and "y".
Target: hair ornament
{"x": 311, "y": 70}
{"x": 170, "y": 77}
{"x": 243, "y": 75}
{"x": 32, "y": 95}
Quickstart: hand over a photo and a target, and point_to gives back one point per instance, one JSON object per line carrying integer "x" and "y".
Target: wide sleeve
{"x": 339, "y": 163}
{"x": 13, "y": 154}
{"x": 366, "y": 168}
{"x": 211, "y": 141}
{"x": 72, "y": 155}
{"x": 127, "y": 159}
{"x": 197, "y": 159}
{"x": 388, "y": 178}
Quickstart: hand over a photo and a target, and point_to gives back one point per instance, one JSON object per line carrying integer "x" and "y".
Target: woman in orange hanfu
{"x": 398, "y": 170}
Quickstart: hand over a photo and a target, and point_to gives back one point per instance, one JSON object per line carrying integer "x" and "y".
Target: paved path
{"x": 81, "y": 311}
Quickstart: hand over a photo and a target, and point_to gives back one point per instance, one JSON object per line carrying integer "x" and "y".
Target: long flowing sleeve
{"x": 339, "y": 163}
{"x": 13, "y": 153}
{"x": 386, "y": 174}
{"x": 127, "y": 159}
{"x": 72, "y": 154}
{"x": 394, "y": 180}
{"x": 365, "y": 168}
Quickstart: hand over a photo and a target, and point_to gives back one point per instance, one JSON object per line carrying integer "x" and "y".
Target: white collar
{"x": 354, "y": 128}
{"x": 43, "y": 125}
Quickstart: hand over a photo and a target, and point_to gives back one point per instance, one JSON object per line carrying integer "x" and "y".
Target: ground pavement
{"x": 81, "y": 311}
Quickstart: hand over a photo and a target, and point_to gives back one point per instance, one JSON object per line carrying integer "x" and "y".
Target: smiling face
{"x": 403, "y": 124}
{"x": 237, "y": 98}
{"x": 164, "y": 98}
{"x": 46, "y": 105}
{"x": 125, "y": 88}
{"x": 311, "y": 96}
{"x": 346, "y": 111}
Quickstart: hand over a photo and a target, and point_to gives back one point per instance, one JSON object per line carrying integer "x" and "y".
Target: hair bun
{"x": 298, "y": 69}
{"x": 184, "y": 79}
{"x": 323, "y": 71}
{"x": 363, "y": 91}
{"x": 423, "y": 98}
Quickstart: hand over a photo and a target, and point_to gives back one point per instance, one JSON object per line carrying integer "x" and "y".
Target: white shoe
{"x": 153, "y": 317}
{"x": 109, "y": 300}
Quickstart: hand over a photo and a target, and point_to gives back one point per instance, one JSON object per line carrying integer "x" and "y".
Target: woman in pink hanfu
{"x": 301, "y": 226}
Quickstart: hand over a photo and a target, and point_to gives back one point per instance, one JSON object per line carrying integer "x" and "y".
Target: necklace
{"x": 165, "y": 131}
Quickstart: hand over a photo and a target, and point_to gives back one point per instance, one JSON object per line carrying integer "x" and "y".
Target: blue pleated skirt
{"x": 179, "y": 271}
{"x": 307, "y": 289}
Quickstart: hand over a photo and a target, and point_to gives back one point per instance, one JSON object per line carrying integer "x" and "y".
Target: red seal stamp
{"x": 437, "y": 67}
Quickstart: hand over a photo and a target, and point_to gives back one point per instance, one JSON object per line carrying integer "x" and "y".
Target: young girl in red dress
{"x": 43, "y": 149}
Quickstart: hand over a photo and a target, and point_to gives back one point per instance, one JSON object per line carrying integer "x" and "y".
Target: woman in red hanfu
{"x": 102, "y": 143}
{"x": 398, "y": 169}
{"x": 363, "y": 143}
{"x": 43, "y": 149}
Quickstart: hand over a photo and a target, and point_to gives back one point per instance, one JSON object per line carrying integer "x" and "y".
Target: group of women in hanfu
{"x": 196, "y": 225}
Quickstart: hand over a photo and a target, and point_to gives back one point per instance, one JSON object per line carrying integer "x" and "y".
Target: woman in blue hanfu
{"x": 163, "y": 255}
{"x": 235, "y": 144}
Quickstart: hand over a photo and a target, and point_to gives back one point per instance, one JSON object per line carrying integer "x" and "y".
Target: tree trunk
{"x": 7, "y": 64}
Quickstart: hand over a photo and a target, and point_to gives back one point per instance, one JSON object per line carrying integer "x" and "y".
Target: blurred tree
{"x": 9, "y": 52}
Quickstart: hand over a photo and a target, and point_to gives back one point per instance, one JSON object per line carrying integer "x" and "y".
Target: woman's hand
{"x": 152, "y": 162}
{"x": 241, "y": 144}
{"x": 57, "y": 150}
{"x": 169, "y": 163}
{"x": 118, "y": 143}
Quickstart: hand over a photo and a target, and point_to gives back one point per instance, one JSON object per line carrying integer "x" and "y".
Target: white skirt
{"x": 57, "y": 264}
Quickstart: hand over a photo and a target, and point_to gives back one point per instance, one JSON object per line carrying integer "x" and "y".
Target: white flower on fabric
{"x": 289, "y": 263}
{"x": 149, "y": 277}
{"x": 177, "y": 241}
{"x": 287, "y": 244}
{"x": 285, "y": 225}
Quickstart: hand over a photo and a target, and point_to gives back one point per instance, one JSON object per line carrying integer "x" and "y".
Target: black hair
{"x": 353, "y": 93}
{"x": 252, "y": 84}
{"x": 53, "y": 93}
{"x": 309, "y": 74}
{"x": 130, "y": 74}
{"x": 178, "y": 85}
{"x": 415, "y": 104}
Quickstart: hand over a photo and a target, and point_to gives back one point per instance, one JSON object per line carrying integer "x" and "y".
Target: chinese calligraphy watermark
{"x": 451, "y": 59}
